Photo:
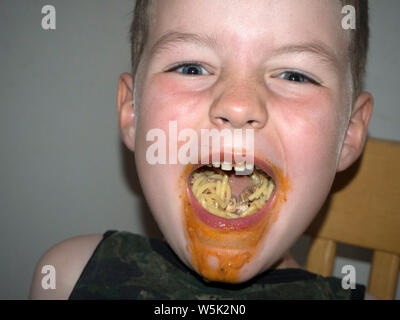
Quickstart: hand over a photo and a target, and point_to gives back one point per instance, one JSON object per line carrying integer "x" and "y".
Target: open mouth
{"x": 230, "y": 193}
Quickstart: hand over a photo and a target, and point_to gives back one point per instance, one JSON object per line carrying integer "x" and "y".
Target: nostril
{"x": 253, "y": 123}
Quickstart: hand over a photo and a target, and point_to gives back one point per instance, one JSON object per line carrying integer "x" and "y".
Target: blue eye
{"x": 191, "y": 69}
{"x": 296, "y": 77}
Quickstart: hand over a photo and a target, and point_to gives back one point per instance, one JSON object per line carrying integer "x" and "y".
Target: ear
{"x": 126, "y": 115}
{"x": 356, "y": 132}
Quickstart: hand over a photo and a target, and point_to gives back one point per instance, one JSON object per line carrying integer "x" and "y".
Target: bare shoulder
{"x": 68, "y": 258}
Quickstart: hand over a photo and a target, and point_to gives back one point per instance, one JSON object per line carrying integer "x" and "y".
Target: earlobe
{"x": 125, "y": 107}
{"x": 356, "y": 132}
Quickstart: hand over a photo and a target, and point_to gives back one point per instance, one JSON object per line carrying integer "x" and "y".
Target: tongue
{"x": 238, "y": 184}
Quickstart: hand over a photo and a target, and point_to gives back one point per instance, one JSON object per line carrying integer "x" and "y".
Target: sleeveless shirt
{"x": 130, "y": 266}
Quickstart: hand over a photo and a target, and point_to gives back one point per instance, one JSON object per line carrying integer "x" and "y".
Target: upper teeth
{"x": 240, "y": 168}
{"x": 249, "y": 169}
{"x": 216, "y": 164}
{"x": 226, "y": 166}
{"x": 250, "y": 166}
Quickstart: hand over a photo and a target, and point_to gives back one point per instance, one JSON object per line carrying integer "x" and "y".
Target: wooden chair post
{"x": 383, "y": 276}
{"x": 321, "y": 256}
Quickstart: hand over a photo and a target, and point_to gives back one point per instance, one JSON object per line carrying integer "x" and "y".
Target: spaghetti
{"x": 211, "y": 188}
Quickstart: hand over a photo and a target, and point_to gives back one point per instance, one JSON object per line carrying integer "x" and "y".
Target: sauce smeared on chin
{"x": 219, "y": 254}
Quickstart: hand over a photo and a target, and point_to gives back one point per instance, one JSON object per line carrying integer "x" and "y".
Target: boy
{"x": 285, "y": 69}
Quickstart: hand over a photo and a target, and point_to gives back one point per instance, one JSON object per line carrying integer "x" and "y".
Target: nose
{"x": 239, "y": 105}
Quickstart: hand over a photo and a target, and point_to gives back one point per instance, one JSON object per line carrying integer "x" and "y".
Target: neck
{"x": 286, "y": 262}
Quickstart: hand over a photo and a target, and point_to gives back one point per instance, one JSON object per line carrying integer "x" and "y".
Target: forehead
{"x": 256, "y": 25}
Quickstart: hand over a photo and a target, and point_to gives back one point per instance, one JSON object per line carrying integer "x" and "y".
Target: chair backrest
{"x": 363, "y": 210}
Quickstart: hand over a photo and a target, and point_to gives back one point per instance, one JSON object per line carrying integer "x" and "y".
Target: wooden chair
{"x": 363, "y": 210}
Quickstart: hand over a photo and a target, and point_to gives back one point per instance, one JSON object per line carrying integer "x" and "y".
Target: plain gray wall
{"x": 63, "y": 169}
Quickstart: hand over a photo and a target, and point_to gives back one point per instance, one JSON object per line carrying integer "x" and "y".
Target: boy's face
{"x": 278, "y": 67}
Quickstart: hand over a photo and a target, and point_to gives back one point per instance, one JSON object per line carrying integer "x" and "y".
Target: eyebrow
{"x": 173, "y": 37}
{"x": 325, "y": 54}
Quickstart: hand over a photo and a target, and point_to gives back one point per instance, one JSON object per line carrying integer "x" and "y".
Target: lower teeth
{"x": 212, "y": 190}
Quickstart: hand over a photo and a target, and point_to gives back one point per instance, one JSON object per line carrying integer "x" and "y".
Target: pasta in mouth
{"x": 213, "y": 191}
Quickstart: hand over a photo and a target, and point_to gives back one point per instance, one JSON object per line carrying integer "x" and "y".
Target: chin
{"x": 228, "y": 214}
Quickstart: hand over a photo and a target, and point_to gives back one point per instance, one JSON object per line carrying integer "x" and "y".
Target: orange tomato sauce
{"x": 219, "y": 254}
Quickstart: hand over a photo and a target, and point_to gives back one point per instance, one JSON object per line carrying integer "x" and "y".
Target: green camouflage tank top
{"x": 129, "y": 266}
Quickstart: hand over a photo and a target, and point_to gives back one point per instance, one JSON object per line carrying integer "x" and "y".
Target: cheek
{"x": 309, "y": 128}
{"x": 309, "y": 136}
{"x": 170, "y": 107}
{"x": 166, "y": 99}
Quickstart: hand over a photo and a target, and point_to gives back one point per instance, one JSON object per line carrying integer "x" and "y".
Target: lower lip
{"x": 235, "y": 224}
